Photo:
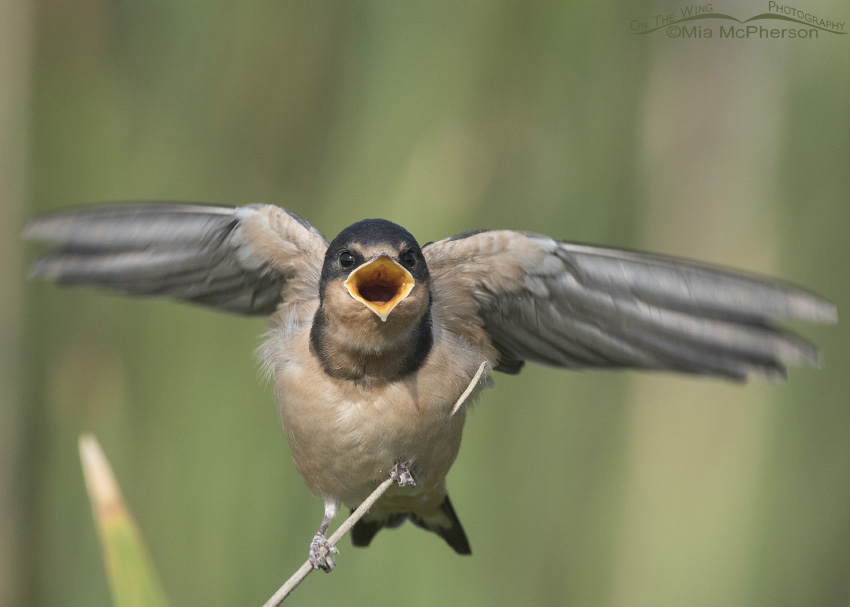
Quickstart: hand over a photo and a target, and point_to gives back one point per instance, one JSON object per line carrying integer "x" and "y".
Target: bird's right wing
{"x": 245, "y": 260}
{"x": 581, "y": 306}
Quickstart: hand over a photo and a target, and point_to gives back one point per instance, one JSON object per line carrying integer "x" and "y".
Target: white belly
{"x": 345, "y": 437}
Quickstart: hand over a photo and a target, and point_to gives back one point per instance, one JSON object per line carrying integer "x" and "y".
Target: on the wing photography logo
{"x": 700, "y": 21}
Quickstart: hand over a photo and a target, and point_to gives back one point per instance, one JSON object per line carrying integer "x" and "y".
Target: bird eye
{"x": 346, "y": 259}
{"x": 409, "y": 259}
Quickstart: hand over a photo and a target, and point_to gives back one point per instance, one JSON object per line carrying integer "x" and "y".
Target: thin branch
{"x": 469, "y": 388}
{"x": 305, "y": 569}
{"x": 360, "y": 512}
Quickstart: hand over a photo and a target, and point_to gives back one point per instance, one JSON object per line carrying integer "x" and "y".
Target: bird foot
{"x": 402, "y": 475}
{"x": 320, "y": 553}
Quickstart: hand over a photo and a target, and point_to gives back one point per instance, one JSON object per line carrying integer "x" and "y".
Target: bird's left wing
{"x": 245, "y": 260}
{"x": 580, "y": 306}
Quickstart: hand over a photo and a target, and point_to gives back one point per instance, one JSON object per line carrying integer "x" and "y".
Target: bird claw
{"x": 320, "y": 553}
{"x": 402, "y": 475}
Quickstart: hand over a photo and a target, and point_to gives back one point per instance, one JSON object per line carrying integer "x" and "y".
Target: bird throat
{"x": 342, "y": 359}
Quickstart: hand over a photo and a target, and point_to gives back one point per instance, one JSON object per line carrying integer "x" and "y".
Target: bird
{"x": 373, "y": 338}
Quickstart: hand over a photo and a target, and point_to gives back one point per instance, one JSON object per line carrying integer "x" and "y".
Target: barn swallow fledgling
{"x": 373, "y": 338}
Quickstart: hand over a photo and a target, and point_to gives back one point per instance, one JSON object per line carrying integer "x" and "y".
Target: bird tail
{"x": 443, "y": 522}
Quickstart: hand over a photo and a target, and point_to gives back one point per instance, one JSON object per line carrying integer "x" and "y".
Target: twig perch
{"x": 470, "y": 387}
{"x": 305, "y": 569}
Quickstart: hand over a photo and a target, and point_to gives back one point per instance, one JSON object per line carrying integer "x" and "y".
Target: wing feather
{"x": 240, "y": 259}
{"x": 577, "y": 306}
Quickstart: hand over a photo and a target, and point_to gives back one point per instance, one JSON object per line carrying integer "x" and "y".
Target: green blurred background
{"x": 595, "y": 488}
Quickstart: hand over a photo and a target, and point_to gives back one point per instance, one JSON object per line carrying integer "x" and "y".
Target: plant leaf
{"x": 132, "y": 578}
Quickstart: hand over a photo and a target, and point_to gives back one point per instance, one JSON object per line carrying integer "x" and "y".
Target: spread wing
{"x": 245, "y": 260}
{"x": 580, "y": 306}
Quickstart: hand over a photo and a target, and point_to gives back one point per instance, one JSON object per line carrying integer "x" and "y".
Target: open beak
{"x": 380, "y": 285}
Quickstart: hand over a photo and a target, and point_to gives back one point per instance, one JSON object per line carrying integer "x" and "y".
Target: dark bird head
{"x": 374, "y": 292}
{"x": 378, "y": 264}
